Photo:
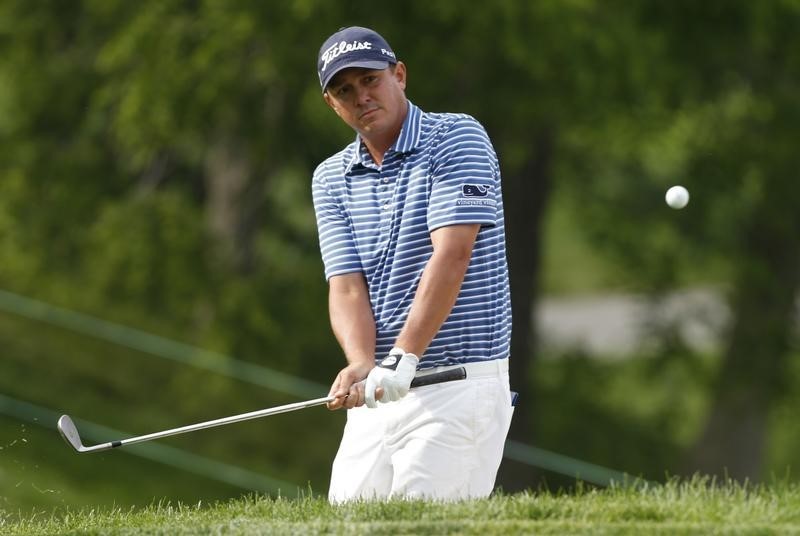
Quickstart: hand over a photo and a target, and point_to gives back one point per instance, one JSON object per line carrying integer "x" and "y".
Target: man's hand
{"x": 393, "y": 375}
{"x": 348, "y": 387}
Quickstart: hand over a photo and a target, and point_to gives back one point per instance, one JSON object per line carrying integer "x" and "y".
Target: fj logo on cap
{"x": 341, "y": 48}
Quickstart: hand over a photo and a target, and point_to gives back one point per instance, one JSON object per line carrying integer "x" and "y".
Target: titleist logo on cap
{"x": 352, "y": 47}
{"x": 340, "y": 48}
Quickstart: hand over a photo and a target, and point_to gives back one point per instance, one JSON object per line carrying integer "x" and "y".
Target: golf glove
{"x": 393, "y": 374}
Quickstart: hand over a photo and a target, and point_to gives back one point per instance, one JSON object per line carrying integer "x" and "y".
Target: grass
{"x": 696, "y": 506}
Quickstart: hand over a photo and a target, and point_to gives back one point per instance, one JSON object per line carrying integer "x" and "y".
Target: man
{"x": 410, "y": 221}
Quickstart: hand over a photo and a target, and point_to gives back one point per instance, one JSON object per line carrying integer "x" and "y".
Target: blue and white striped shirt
{"x": 442, "y": 170}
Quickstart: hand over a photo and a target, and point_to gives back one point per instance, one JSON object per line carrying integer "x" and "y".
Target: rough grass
{"x": 698, "y": 506}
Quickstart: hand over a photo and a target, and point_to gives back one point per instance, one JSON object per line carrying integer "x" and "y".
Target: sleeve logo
{"x": 474, "y": 190}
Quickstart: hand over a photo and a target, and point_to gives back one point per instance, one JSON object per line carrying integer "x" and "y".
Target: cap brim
{"x": 373, "y": 64}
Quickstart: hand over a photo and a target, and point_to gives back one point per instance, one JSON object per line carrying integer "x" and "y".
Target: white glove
{"x": 393, "y": 374}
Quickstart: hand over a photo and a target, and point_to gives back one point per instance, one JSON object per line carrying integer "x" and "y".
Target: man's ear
{"x": 400, "y": 74}
{"x": 330, "y": 102}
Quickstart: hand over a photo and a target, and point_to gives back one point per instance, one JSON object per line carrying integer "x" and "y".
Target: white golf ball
{"x": 677, "y": 197}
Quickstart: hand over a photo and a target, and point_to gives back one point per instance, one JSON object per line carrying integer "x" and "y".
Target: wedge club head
{"x": 70, "y": 434}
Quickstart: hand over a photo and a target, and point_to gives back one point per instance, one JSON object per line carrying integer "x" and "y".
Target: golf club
{"x": 69, "y": 431}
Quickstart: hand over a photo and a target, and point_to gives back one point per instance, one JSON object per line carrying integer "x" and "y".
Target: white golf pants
{"x": 442, "y": 441}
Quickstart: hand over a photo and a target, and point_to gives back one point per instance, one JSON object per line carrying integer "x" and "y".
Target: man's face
{"x": 371, "y": 101}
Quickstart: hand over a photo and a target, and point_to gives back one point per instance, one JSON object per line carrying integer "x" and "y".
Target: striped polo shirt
{"x": 442, "y": 170}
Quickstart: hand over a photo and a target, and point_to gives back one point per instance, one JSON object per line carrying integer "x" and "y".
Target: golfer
{"x": 410, "y": 222}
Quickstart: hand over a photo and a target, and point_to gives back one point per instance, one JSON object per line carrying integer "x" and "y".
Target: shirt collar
{"x": 409, "y": 135}
{"x": 406, "y": 142}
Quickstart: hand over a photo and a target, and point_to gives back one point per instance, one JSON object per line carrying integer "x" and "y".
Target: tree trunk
{"x": 753, "y": 373}
{"x": 525, "y": 198}
{"x": 232, "y": 205}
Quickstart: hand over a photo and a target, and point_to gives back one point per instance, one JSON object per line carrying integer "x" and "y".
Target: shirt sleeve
{"x": 465, "y": 177}
{"x": 336, "y": 242}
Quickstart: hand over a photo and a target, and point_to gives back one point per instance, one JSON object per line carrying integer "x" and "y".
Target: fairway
{"x": 695, "y": 507}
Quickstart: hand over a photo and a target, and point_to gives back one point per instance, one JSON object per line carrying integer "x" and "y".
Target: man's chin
{"x": 370, "y": 125}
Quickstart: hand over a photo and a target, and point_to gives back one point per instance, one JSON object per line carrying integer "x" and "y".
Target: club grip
{"x": 459, "y": 373}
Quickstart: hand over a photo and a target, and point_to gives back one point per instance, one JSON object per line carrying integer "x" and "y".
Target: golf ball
{"x": 677, "y": 197}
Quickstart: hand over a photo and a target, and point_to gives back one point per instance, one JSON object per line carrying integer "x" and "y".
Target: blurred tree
{"x": 152, "y": 171}
{"x": 717, "y": 116}
{"x": 161, "y": 146}
{"x": 744, "y": 152}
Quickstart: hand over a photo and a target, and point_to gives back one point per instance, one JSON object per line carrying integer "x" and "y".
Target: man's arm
{"x": 439, "y": 286}
{"x": 354, "y": 327}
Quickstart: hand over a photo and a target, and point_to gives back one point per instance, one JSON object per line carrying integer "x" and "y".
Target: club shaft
{"x": 439, "y": 377}
{"x": 225, "y": 420}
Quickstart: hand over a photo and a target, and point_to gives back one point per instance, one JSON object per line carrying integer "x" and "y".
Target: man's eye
{"x": 342, "y": 91}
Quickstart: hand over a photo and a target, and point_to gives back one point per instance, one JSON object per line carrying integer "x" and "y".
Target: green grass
{"x": 698, "y": 506}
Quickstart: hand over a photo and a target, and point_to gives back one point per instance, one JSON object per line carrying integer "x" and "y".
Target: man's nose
{"x": 362, "y": 94}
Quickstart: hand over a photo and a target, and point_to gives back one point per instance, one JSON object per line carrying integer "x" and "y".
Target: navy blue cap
{"x": 352, "y": 47}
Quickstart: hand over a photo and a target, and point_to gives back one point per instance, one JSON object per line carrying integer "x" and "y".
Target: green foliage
{"x": 114, "y": 186}
{"x": 719, "y": 134}
{"x": 636, "y": 415}
{"x": 128, "y": 241}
